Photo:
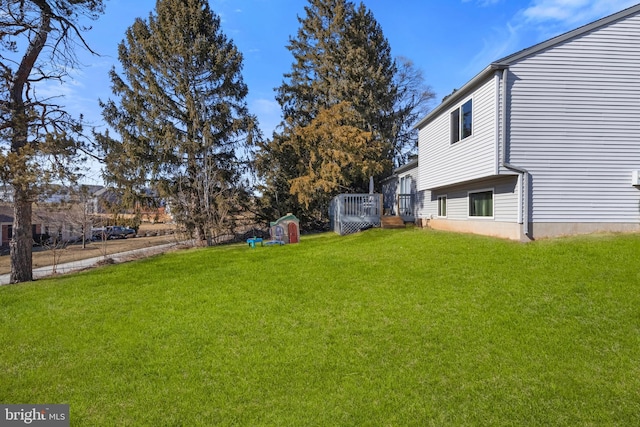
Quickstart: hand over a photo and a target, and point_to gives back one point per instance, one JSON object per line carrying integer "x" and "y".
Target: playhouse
{"x": 285, "y": 229}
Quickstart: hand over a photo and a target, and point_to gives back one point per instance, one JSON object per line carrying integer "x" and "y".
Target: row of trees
{"x": 179, "y": 120}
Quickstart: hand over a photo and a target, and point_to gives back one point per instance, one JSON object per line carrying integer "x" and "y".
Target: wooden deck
{"x": 392, "y": 221}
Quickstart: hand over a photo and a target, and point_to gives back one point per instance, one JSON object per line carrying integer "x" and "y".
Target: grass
{"x": 385, "y": 327}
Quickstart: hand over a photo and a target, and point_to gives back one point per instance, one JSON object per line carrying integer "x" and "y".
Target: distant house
{"x": 102, "y": 200}
{"x": 105, "y": 201}
{"x": 6, "y": 225}
{"x": 66, "y": 214}
{"x": 63, "y": 225}
{"x": 61, "y": 214}
{"x": 541, "y": 143}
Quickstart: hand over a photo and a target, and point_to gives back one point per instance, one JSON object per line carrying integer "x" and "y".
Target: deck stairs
{"x": 389, "y": 221}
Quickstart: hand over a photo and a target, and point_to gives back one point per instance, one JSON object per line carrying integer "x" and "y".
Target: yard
{"x": 385, "y": 327}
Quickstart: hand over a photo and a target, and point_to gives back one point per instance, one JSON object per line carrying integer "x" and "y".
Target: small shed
{"x": 286, "y": 229}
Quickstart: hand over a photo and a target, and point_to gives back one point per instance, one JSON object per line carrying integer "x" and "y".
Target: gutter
{"x": 523, "y": 212}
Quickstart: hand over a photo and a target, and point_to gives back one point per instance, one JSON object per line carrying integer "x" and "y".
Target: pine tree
{"x": 340, "y": 56}
{"x": 39, "y": 141}
{"x": 181, "y": 114}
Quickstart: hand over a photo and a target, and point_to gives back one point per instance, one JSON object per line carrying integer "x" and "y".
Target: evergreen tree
{"x": 341, "y": 57}
{"x": 39, "y": 141}
{"x": 181, "y": 114}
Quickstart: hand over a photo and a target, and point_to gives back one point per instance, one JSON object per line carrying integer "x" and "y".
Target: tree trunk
{"x": 196, "y": 211}
{"x": 22, "y": 239}
{"x": 194, "y": 200}
{"x": 21, "y": 243}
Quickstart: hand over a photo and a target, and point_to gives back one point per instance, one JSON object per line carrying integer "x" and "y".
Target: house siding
{"x": 504, "y": 223}
{"x": 391, "y": 187}
{"x": 573, "y": 124}
{"x": 410, "y": 174}
{"x": 474, "y": 157}
{"x": 505, "y": 199}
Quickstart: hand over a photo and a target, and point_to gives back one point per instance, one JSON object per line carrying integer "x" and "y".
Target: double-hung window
{"x": 481, "y": 204}
{"x": 462, "y": 122}
{"x": 442, "y": 206}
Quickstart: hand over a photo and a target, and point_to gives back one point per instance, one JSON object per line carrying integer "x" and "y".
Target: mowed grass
{"x": 385, "y": 327}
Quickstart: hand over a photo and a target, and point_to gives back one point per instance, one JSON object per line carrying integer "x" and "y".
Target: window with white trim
{"x": 442, "y": 206}
{"x": 481, "y": 204}
{"x": 462, "y": 122}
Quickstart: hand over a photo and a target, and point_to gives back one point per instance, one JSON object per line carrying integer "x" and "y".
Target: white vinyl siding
{"x": 574, "y": 124}
{"x": 443, "y": 163}
{"x": 505, "y": 200}
{"x": 506, "y": 195}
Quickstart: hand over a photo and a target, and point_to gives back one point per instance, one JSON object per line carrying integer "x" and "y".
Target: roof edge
{"x": 412, "y": 164}
{"x": 510, "y": 59}
{"x": 507, "y": 60}
{"x": 460, "y": 93}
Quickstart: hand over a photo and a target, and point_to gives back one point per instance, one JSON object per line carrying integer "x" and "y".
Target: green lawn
{"x": 385, "y": 327}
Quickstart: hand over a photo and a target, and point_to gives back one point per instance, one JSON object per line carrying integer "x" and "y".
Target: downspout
{"x": 524, "y": 174}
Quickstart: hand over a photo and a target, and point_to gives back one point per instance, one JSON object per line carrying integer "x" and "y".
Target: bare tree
{"x": 39, "y": 141}
{"x": 219, "y": 201}
{"x": 413, "y": 101}
{"x": 66, "y": 221}
{"x": 56, "y": 247}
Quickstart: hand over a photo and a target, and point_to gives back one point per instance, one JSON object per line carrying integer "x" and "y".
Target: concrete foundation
{"x": 558, "y": 229}
{"x": 505, "y": 230}
{"x": 514, "y": 231}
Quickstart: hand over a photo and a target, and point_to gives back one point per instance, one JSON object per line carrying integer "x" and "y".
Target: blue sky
{"x": 449, "y": 40}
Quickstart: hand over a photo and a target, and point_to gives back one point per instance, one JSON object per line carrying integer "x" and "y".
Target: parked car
{"x": 112, "y": 232}
{"x": 99, "y": 233}
{"x": 120, "y": 232}
{"x": 41, "y": 239}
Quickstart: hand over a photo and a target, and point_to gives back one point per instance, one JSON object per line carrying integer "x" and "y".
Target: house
{"x": 544, "y": 142}
{"x": 6, "y": 225}
{"x": 399, "y": 191}
{"x": 66, "y": 223}
{"x": 106, "y": 201}
{"x": 102, "y": 199}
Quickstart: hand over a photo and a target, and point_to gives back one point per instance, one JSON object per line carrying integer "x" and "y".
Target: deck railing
{"x": 406, "y": 204}
{"x": 353, "y": 212}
